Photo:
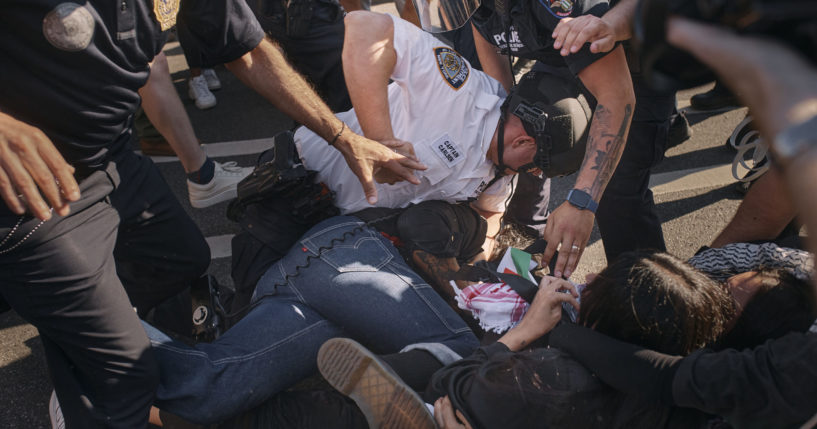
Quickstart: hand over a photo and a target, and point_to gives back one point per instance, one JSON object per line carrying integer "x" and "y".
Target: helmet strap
{"x": 500, "y": 147}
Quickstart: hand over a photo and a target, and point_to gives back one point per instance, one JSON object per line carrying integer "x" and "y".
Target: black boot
{"x": 679, "y": 130}
{"x": 716, "y": 98}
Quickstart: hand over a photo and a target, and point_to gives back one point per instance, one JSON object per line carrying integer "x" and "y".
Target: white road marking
{"x": 691, "y": 179}
{"x": 226, "y": 149}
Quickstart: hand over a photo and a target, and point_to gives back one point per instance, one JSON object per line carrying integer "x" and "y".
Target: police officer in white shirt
{"x": 447, "y": 115}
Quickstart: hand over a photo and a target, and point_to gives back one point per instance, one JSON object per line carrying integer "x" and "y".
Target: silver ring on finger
{"x": 574, "y": 249}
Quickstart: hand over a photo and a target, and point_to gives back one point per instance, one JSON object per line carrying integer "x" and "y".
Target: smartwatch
{"x": 582, "y": 200}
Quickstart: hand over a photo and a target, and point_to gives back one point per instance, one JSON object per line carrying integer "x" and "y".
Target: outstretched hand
{"x": 401, "y": 148}
{"x": 31, "y": 168}
{"x": 369, "y": 159}
{"x": 568, "y": 229}
{"x": 572, "y": 33}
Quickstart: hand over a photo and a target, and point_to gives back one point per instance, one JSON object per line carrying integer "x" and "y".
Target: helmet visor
{"x": 437, "y": 16}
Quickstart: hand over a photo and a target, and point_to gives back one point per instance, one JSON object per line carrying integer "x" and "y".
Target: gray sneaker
{"x": 383, "y": 398}
{"x": 55, "y": 412}
{"x": 212, "y": 79}
{"x": 198, "y": 91}
{"x": 222, "y": 188}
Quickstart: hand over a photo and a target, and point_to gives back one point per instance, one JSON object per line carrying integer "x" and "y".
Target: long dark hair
{"x": 782, "y": 304}
{"x": 658, "y": 301}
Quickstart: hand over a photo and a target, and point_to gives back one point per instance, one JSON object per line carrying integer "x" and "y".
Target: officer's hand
{"x": 572, "y": 33}
{"x": 30, "y": 168}
{"x": 401, "y": 147}
{"x": 444, "y": 414}
{"x": 569, "y": 227}
{"x": 368, "y": 157}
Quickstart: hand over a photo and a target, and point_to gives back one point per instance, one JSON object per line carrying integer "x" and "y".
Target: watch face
{"x": 579, "y": 199}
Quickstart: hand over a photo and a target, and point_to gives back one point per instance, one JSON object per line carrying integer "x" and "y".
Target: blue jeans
{"x": 358, "y": 287}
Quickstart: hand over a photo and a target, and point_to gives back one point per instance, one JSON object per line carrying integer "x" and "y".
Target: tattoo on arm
{"x": 438, "y": 271}
{"x": 605, "y": 157}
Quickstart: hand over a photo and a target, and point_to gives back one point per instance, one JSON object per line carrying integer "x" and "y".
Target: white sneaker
{"x": 212, "y": 79}
{"x": 198, "y": 91}
{"x": 221, "y": 188}
{"x": 55, "y": 412}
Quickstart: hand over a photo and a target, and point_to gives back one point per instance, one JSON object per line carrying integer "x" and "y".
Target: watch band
{"x": 582, "y": 200}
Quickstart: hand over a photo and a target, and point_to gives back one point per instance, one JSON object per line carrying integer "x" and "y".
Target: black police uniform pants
{"x": 67, "y": 274}
{"x": 315, "y": 54}
{"x": 626, "y": 216}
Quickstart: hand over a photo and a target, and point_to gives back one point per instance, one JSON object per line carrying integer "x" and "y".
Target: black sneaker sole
{"x": 383, "y": 398}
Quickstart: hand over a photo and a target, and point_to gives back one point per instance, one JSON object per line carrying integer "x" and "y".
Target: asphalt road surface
{"x": 693, "y": 187}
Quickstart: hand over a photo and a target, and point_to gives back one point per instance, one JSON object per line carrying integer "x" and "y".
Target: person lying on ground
{"x": 343, "y": 278}
{"x": 393, "y": 308}
{"x": 517, "y": 381}
{"x": 652, "y": 297}
{"x": 760, "y": 298}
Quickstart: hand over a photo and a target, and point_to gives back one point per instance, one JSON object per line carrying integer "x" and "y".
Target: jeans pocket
{"x": 347, "y": 245}
{"x": 358, "y": 254}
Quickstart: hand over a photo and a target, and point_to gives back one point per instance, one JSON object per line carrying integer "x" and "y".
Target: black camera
{"x": 791, "y": 22}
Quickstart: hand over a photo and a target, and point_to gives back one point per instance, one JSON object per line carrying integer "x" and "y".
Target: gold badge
{"x": 166, "y": 11}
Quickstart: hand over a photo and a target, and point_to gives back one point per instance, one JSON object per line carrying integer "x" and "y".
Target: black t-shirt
{"x": 73, "y": 69}
{"x": 532, "y": 24}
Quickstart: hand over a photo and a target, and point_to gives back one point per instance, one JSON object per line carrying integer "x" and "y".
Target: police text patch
{"x": 448, "y": 151}
{"x": 452, "y": 65}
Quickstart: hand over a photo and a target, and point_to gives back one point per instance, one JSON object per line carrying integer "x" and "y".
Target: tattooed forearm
{"x": 437, "y": 271}
{"x": 604, "y": 147}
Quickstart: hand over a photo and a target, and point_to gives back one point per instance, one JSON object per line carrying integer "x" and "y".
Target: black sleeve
{"x": 773, "y": 385}
{"x": 549, "y": 13}
{"x": 224, "y": 30}
{"x": 626, "y": 367}
{"x": 497, "y": 388}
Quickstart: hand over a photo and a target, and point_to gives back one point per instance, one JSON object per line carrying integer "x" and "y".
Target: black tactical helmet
{"x": 554, "y": 112}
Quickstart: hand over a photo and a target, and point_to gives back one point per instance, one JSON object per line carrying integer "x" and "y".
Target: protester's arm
{"x": 801, "y": 176}
{"x": 438, "y": 270}
{"x": 493, "y": 63}
{"x": 762, "y": 215}
{"x": 494, "y": 223}
{"x": 602, "y": 33}
{"x": 544, "y": 313}
{"x": 626, "y": 367}
{"x": 164, "y": 108}
{"x": 31, "y": 168}
{"x": 266, "y": 70}
{"x": 609, "y": 81}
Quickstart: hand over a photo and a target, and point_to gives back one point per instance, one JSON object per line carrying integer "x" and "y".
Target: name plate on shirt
{"x": 449, "y": 152}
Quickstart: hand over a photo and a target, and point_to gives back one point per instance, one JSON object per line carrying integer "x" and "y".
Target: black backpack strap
{"x": 481, "y": 273}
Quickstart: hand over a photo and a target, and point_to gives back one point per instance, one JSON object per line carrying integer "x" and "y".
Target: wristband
{"x": 582, "y": 200}
{"x": 343, "y": 127}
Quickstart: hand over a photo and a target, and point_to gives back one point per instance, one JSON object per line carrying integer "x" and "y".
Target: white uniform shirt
{"x": 448, "y": 111}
